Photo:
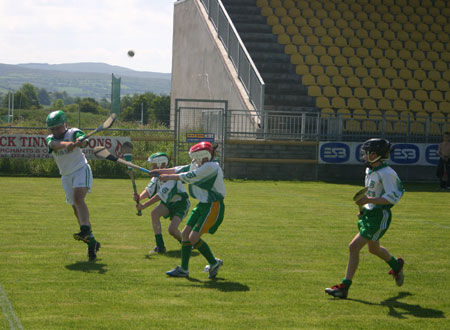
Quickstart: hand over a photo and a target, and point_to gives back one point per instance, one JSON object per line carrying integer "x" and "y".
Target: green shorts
{"x": 178, "y": 209}
{"x": 206, "y": 217}
{"x": 374, "y": 223}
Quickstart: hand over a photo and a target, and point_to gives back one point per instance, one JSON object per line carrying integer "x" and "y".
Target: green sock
{"x": 204, "y": 249}
{"x": 186, "y": 249}
{"x": 347, "y": 283}
{"x": 85, "y": 229}
{"x": 393, "y": 263}
{"x": 159, "y": 240}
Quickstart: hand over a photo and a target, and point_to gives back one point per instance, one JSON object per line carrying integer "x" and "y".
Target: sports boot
{"x": 399, "y": 277}
{"x": 92, "y": 250}
{"x": 338, "y": 291}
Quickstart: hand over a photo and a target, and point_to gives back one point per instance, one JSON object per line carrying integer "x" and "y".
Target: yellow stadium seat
{"x": 402, "y": 36}
{"x": 340, "y": 61}
{"x": 334, "y": 51}
{"x": 423, "y": 45}
{"x": 412, "y": 64}
{"x": 413, "y": 84}
{"x": 376, "y": 73}
{"x": 361, "y": 16}
{"x": 398, "y": 83}
{"x": 426, "y": 65}
{"x": 390, "y": 94}
{"x": 348, "y": 51}
{"x": 369, "y": 126}
{"x": 354, "y": 103}
{"x": 321, "y": 13}
{"x": 302, "y": 69}
{"x": 438, "y": 46}
{"x": 292, "y": 30}
{"x": 436, "y": 96}
{"x": 368, "y": 43}
{"x": 359, "y": 113}
{"x": 446, "y": 75}
{"x": 322, "y": 102}
{"x": 312, "y": 40}
{"x": 316, "y": 70}
{"x": 331, "y": 70}
{"x": 434, "y": 75}
{"x": 384, "y": 104}
{"x": 326, "y": 41}
{"x": 344, "y": 113}
{"x": 355, "y": 62}
{"x": 341, "y": 23}
{"x": 443, "y": 37}
{"x": 406, "y": 95}
{"x": 297, "y": 59}
{"x": 338, "y": 81}
{"x": 369, "y": 62}
{"x": 421, "y": 116}
{"x": 280, "y": 11}
{"x": 435, "y": 128}
{"x": 406, "y": 116}
{"x": 354, "y": 42}
{"x": 273, "y": 20}
{"x": 301, "y": 21}
{"x": 320, "y": 31}
{"x": 441, "y": 66}
{"x": 353, "y": 81}
{"x": 275, "y": 3}
{"x": 328, "y": 23}
{"x": 428, "y": 85}
{"x": 306, "y": 31}
{"x": 420, "y": 75}
{"x": 323, "y": 80}
{"x": 384, "y": 63}
{"x": 433, "y": 56}
{"x": 314, "y": 22}
{"x": 375, "y": 93}
{"x": 400, "y": 105}
{"x": 347, "y": 71}
{"x": 329, "y": 91}
{"x": 314, "y": 91}
{"x": 311, "y": 59}
{"x": 338, "y": 102}
{"x": 421, "y": 95}
{"x": 352, "y": 125}
{"x": 327, "y": 113}
{"x": 308, "y": 80}
{"x": 430, "y": 106}
{"x": 417, "y": 128}
{"x": 390, "y": 53}
{"x": 383, "y": 26}
{"x": 345, "y": 92}
{"x": 442, "y": 85}
{"x": 298, "y": 40}
{"x": 326, "y": 60}
{"x": 340, "y": 41}
{"x": 415, "y": 106}
{"x": 287, "y": 20}
{"x": 267, "y": 11}
{"x": 375, "y": 114}
{"x": 369, "y": 104}
{"x": 278, "y": 29}
{"x": 288, "y": 4}
{"x": 355, "y": 25}
{"x": 383, "y": 83}
{"x": 294, "y": 12}
{"x": 284, "y": 39}
{"x": 362, "y": 34}
{"x": 398, "y": 63}
{"x": 405, "y": 74}
{"x": 390, "y": 73}
{"x": 262, "y": 3}
{"x": 360, "y": 92}
{"x": 410, "y": 45}
{"x": 307, "y": 12}
{"x": 362, "y": 52}
{"x": 304, "y": 50}
{"x": 368, "y": 82}
{"x": 361, "y": 72}
{"x": 438, "y": 117}
{"x": 391, "y": 115}
{"x": 290, "y": 49}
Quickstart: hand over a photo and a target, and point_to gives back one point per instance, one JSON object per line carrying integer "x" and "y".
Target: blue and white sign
{"x": 405, "y": 153}
{"x": 335, "y": 152}
{"x": 424, "y": 154}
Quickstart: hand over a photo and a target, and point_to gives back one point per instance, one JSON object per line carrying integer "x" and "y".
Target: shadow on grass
{"x": 88, "y": 267}
{"x": 219, "y": 284}
{"x": 399, "y": 309}
{"x": 172, "y": 254}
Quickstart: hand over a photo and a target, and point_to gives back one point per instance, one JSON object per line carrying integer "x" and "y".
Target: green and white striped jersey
{"x": 205, "y": 182}
{"x": 170, "y": 192}
{"x": 68, "y": 162}
{"x": 384, "y": 182}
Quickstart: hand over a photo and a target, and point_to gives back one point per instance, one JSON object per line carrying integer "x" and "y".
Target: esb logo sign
{"x": 335, "y": 152}
{"x": 431, "y": 154}
{"x": 405, "y": 153}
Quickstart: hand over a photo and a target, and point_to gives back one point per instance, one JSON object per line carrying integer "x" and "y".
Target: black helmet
{"x": 381, "y": 147}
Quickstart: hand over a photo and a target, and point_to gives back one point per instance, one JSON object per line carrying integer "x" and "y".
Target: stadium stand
{"x": 384, "y": 56}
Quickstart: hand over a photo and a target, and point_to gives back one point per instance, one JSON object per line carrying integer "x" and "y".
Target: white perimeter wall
{"x": 201, "y": 68}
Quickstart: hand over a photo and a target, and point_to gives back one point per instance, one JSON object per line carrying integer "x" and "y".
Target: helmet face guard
{"x": 159, "y": 159}
{"x": 200, "y": 151}
{"x": 380, "y": 147}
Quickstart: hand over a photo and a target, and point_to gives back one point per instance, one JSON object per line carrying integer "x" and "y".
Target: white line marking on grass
{"x": 8, "y": 311}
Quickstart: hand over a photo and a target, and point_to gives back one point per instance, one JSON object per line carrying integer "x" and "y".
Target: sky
{"x": 72, "y": 31}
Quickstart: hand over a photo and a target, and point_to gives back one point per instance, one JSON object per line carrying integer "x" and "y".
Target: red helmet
{"x": 200, "y": 151}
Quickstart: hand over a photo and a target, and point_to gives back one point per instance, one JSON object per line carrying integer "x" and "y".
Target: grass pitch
{"x": 282, "y": 243}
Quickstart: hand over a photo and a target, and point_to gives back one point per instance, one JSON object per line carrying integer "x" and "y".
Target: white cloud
{"x": 68, "y": 31}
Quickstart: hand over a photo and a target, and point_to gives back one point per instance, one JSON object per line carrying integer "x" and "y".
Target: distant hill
{"x": 82, "y": 79}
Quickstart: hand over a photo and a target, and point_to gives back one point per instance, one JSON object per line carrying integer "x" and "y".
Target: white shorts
{"x": 81, "y": 178}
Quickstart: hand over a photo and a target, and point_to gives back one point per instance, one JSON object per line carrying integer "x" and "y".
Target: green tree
{"x": 88, "y": 104}
{"x": 58, "y": 104}
{"x": 161, "y": 108}
{"x": 26, "y": 97}
{"x": 43, "y": 96}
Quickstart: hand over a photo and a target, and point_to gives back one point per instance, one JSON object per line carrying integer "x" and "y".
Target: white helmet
{"x": 159, "y": 159}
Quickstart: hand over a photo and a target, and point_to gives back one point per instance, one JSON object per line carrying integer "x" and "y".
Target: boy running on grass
{"x": 174, "y": 202}
{"x": 76, "y": 174}
{"x": 384, "y": 190}
{"x": 205, "y": 179}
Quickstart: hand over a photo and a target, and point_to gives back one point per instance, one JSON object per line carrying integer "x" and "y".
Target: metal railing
{"x": 247, "y": 72}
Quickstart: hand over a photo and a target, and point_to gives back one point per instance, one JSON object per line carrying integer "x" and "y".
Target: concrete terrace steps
{"x": 284, "y": 91}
